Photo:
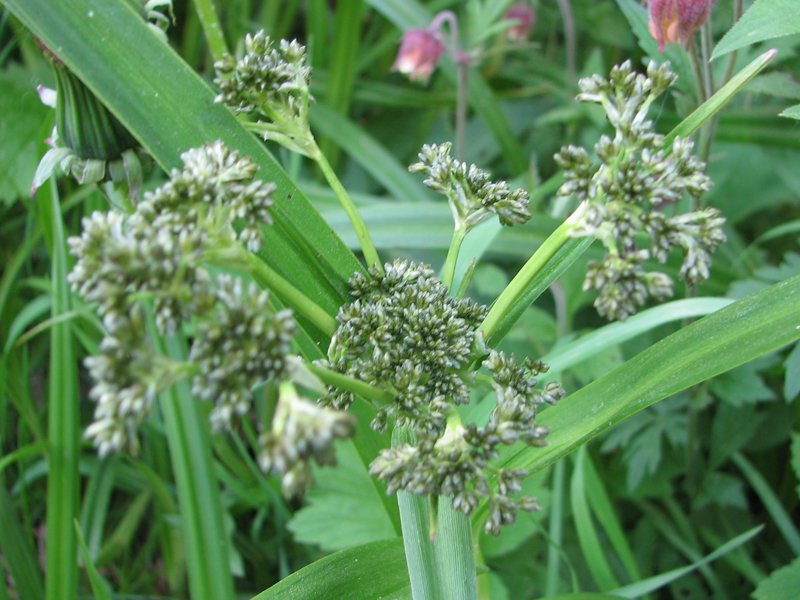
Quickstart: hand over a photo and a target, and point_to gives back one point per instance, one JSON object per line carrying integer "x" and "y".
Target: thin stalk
{"x": 237, "y": 258}
{"x": 455, "y": 561}
{"x": 449, "y": 268}
{"x": 462, "y": 65}
{"x": 414, "y": 522}
{"x": 63, "y": 479}
{"x": 376, "y": 396}
{"x": 507, "y": 298}
{"x": 212, "y": 28}
{"x": 555, "y": 530}
{"x": 738, "y": 9}
{"x": 367, "y": 246}
{"x": 569, "y": 38}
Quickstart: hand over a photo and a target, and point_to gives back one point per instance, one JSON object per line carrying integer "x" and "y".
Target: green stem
{"x": 509, "y": 296}
{"x": 555, "y": 531}
{"x": 236, "y": 257}
{"x": 212, "y": 28}
{"x": 367, "y": 247}
{"x": 455, "y": 561}
{"x": 449, "y": 268}
{"x": 63, "y": 434}
{"x": 265, "y": 275}
{"x": 415, "y": 522}
{"x": 375, "y": 395}
{"x": 461, "y": 107}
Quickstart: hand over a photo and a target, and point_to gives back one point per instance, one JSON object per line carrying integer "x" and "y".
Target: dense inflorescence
{"x": 473, "y": 196}
{"x": 269, "y": 84}
{"x": 405, "y": 333}
{"x": 627, "y": 195}
{"x": 155, "y": 257}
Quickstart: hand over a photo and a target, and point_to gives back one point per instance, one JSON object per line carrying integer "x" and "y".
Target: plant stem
{"x": 63, "y": 434}
{"x": 462, "y": 65}
{"x": 455, "y": 561}
{"x": 509, "y": 296}
{"x": 449, "y": 268}
{"x": 367, "y": 247}
{"x": 212, "y": 28}
{"x": 414, "y": 522}
{"x": 236, "y": 257}
{"x": 377, "y": 396}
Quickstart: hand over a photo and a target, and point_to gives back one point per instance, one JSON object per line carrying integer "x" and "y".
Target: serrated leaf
{"x": 764, "y": 20}
{"x": 731, "y": 430}
{"x": 781, "y": 584}
{"x": 723, "y": 490}
{"x": 741, "y": 386}
{"x": 376, "y": 570}
{"x": 342, "y": 508}
{"x": 21, "y": 118}
{"x": 791, "y": 385}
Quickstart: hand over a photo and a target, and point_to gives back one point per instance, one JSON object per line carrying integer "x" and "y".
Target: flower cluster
{"x": 269, "y": 83}
{"x": 404, "y": 330}
{"x": 472, "y": 195}
{"x": 238, "y": 345}
{"x": 301, "y": 430}
{"x": 405, "y": 333}
{"x": 627, "y": 194}
{"x": 156, "y": 254}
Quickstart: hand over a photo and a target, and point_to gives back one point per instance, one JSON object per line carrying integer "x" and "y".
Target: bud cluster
{"x": 472, "y": 195}
{"x": 626, "y": 196}
{"x": 156, "y": 254}
{"x": 404, "y": 332}
{"x": 269, "y": 83}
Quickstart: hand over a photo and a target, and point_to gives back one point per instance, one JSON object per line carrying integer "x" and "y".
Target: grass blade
{"x": 63, "y": 433}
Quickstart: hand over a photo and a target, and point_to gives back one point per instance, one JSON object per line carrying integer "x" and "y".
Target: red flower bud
{"x": 419, "y": 54}
{"x": 524, "y": 17}
{"x": 677, "y": 20}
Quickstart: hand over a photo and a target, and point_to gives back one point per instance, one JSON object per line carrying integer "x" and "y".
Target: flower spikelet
{"x": 473, "y": 196}
{"x": 238, "y": 346}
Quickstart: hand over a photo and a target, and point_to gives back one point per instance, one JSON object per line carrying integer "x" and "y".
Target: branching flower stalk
{"x": 472, "y": 196}
{"x": 623, "y": 199}
{"x": 268, "y": 87}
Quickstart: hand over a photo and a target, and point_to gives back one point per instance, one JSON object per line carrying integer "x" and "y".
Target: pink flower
{"x": 524, "y": 17}
{"x": 419, "y": 54}
{"x": 677, "y": 20}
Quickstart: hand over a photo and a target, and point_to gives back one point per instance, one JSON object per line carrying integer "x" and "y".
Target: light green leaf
{"x": 343, "y": 508}
{"x": 796, "y": 458}
{"x": 781, "y": 584}
{"x": 376, "y": 570}
{"x": 793, "y": 112}
{"x": 764, "y": 20}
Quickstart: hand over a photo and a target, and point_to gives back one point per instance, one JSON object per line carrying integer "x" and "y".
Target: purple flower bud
{"x": 419, "y": 54}
{"x": 524, "y": 17}
{"x": 677, "y": 20}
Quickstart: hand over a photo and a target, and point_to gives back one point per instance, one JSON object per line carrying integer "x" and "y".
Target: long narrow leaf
{"x": 738, "y": 333}
{"x": 376, "y": 570}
